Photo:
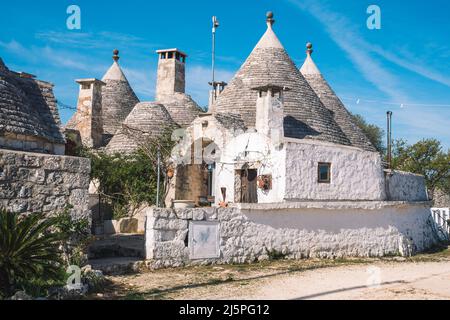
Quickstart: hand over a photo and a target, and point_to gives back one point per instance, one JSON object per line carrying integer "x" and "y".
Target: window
{"x": 170, "y": 55}
{"x": 324, "y": 172}
{"x": 86, "y": 86}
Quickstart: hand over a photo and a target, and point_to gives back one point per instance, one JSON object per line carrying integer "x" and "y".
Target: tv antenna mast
{"x": 215, "y": 24}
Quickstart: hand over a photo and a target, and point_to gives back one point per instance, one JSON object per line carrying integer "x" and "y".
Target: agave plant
{"x": 28, "y": 250}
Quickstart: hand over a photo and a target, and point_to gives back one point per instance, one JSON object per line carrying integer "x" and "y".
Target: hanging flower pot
{"x": 170, "y": 173}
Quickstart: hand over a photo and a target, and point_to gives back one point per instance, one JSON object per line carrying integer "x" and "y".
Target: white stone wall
{"x": 353, "y": 229}
{"x": 405, "y": 186}
{"x": 355, "y": 174}
{"x": 259, "y": 153}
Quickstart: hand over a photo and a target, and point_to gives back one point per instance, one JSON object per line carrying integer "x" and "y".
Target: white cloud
{"x": 100, "y": 40}
{"x": 341, "y": 32}
{"x": 420, "y": 122}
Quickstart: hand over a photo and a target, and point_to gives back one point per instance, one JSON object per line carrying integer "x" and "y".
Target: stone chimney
{"x": 171, "y": 72}
{"x": 89, "y": 112}
{"x": 270, "y": 112}
{"x": 218, "y": 87}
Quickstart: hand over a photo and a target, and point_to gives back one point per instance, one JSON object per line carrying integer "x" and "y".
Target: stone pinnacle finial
{"x": 270, "y": 20}
{"x": 309, "y": 49}
{"x": 116, "y": 55}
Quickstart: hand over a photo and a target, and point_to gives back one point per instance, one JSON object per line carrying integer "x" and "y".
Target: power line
{"x": 400, "y": 104}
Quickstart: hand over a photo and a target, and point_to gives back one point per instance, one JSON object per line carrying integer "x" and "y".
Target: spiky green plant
{"x": 28, "y": 250}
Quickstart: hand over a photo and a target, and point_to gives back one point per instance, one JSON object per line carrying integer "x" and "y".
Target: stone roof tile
{"x": 28, "y": 107}
{"x": 305, "y": 115}
{"x": 330, "y": 100}
{"x": 118, "y": 99}
{"x": 146, "y": 120}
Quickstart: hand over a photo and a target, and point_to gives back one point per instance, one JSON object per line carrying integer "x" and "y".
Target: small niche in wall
{"x": 204, "y": 239}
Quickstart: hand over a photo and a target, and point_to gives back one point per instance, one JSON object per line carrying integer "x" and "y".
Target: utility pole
{"x": 389, "y": 139}
{"x": 159, "y": 177}
{"x": 215, "y": 26}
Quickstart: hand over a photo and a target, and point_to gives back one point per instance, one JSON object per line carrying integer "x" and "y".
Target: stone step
{"x": 117, "y": 266}
{"x": 113, "y": 246}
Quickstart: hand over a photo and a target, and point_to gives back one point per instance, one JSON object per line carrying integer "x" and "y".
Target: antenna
{"x": 216, "y": 24}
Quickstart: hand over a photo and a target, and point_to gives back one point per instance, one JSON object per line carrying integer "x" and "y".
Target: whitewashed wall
{"x": 295, "y": 231}
{"x": 405, "y": 186}
{"x": 355, "y": 174}
{"x": 258, "y": 151}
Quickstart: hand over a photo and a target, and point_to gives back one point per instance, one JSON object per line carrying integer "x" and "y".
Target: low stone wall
{"x": 34, "y": 182}
{"x": 300, "y": 230}
{"x": 405, "y": 186}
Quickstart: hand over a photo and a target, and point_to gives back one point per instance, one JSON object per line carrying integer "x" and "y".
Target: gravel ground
{"x": 422, "y": 277}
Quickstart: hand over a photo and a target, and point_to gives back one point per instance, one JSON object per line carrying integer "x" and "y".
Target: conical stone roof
{"x": 146, "y": 120}
{"x": 28, "y": 107}
{"x": 330, "y": 100}
{"x": 118, "y": 98}
{"x": 182, "y": 108}
{"x": 305, "y": 115}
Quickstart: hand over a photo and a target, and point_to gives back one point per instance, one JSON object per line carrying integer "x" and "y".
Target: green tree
{"x": 425, "y": 157}
{"x": 374, "y": 133}
{"x": 129, "y": 180}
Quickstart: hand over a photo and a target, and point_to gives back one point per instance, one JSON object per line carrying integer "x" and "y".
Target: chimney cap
{"x": 90, "y": 80}
{"x": 172, "y": 50}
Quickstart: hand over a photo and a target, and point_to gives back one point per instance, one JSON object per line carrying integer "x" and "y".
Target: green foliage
{"x": 75, "y": 236}
{"x": 28, "y": 250}
{"x": 35, "y": 250}
{"x": 374, "y": 133}
{"x": 128, "y": 181}
{"x": 124, "y": 180}
{"x": 425, "y": 157}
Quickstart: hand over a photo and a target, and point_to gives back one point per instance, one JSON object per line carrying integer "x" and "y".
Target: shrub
{"x": 29, "y": 250}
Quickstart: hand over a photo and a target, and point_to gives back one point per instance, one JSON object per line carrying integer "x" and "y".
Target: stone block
{"x": 54, "y": 178}
{"x": 37, "y": 176}
{"x": 128, "y": 225}
{"x": 198, "y": 214}
{"x": 52, "y": 163}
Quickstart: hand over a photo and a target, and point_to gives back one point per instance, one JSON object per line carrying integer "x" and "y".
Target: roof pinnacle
{"x": 309, "y": 49}
{"x": 270, "y": 20}
{"x": 116, "y": 55}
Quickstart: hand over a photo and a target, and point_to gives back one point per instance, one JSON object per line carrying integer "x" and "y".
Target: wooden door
{"x": 249, "y": 186}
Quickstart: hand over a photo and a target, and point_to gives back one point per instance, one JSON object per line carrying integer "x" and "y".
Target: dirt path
{"x": 425, "y": 280}
{"x": 425, "y": 277}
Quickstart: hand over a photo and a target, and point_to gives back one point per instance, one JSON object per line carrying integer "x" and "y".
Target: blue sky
{"x": 406, "y": 62}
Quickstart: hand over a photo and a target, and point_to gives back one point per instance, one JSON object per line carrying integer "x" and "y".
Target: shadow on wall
{"x": 297, "y": 129}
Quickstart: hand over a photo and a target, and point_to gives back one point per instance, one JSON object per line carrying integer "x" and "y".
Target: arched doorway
{"x": 195, "y": 180}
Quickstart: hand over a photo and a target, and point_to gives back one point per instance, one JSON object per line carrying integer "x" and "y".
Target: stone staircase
{"x": 117, "y": 254}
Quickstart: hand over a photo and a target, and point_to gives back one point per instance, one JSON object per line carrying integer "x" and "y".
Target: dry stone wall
{"x": 253, "y": 235}
{"x": 33, "y": 182}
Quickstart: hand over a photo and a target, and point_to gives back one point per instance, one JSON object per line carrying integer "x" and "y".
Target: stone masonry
{"x": 32, "y": 182}
{"x": 293, "y": 231}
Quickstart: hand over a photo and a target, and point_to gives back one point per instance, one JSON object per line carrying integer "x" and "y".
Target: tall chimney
{"x": 171, "y": 72}
{"x": 89, "y": 112}
{"x": 270, "y": 112}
